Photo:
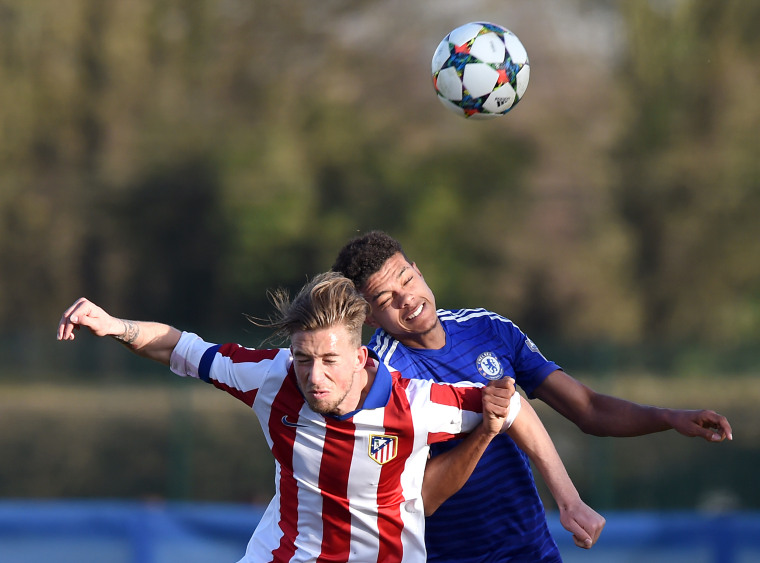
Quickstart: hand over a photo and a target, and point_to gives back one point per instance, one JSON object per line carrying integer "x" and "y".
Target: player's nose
{"x": 316, "y": 376}
{"x": 404, "y": 299}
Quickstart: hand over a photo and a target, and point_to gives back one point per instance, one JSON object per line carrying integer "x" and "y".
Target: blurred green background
{"x": 174, "y": 159}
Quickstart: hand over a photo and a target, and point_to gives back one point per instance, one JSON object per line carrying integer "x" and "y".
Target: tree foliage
{"x": 689, "y": 168}
{"x": 176, "y": 158}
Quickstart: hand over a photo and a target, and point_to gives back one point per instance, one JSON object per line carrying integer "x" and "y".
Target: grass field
{"x": 184, "y": 439}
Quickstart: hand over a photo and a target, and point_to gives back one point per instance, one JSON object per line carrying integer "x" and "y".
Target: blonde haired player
{"x": 349, "y": 436}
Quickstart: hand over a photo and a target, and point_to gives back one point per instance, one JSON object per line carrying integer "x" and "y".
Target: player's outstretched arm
{"x": 446, "y": 473}
{"x": 604, "y": 415}
{"x": 151, "y": 340}
{"x": 579, "y": 519}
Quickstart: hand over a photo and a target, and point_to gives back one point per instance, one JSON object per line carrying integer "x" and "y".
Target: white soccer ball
{"x": 480, "y": 70}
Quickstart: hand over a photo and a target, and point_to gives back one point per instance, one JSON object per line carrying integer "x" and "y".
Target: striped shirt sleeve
{"x": 451, "y": 410}
{"x": 238, "y": 370}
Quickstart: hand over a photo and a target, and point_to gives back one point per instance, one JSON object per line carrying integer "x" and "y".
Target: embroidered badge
{"x": 532, "y": 347}
{"x": 489, "y": 366}
{"x": 383, "y": 448}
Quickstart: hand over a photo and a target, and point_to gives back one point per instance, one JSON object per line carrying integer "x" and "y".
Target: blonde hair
{"x": 329, "y": 299}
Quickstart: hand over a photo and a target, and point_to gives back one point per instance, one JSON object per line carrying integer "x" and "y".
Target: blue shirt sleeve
{"x": 530, "y": 366}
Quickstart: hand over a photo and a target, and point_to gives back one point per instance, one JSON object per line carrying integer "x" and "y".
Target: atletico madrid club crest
{"x": 383, "y": 448}
{"x": 489, "y": 366}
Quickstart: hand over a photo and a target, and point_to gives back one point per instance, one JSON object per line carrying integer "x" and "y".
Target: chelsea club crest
{"x": 489, "y": 366}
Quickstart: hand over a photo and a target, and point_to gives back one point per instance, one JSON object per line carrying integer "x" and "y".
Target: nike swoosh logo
{"x": 286, "y": 422}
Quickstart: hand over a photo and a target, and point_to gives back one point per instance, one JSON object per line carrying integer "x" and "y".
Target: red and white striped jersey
{"x": 347, "y": 488}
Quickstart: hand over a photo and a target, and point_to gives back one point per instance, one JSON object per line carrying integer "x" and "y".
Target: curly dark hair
{"x": 364, "y": 255}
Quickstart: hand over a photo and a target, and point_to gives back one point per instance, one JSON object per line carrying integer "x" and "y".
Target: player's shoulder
{"x": 254, "y": 364}
{"x": 246, "y": 353}
{"x": 467, "y": 317}
{"x": 383, "y": 344}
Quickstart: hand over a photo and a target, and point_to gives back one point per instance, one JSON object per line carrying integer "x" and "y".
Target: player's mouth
{"x": 416, "y": 312}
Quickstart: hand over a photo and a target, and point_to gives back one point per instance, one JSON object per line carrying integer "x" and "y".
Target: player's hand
{"x": 84, "y": 313}
{"x": 496, "y": 397}
{"x": 583, "y": 522}
{"x": 706, "y": 424}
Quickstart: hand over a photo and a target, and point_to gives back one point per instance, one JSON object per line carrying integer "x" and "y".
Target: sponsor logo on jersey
{"x": 292, "y": 424}
{"x": 489, "y": 366}
{"x": 383, "y": 448}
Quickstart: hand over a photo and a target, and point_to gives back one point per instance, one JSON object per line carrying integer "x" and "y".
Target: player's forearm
{"x": 605, "y": 415}
{"x": 598, "y": 414}
{"x": 151, "y": 340}
{"x": 446, "y": 473}
{"x": 531, "y": 436}
{"x": 620, "y": 418}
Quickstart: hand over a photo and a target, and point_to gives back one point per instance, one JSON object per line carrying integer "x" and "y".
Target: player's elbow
{"x": 587, "y": 421}
{"x": 591, "y": 425}
{"x": 593, "y": 416}
{"x": 432, "y": 497}
{"x": 431, "y": 505}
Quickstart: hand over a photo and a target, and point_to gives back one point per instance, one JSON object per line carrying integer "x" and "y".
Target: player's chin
{"x": 321, "y": 406}
{"x": 421, "y": 325}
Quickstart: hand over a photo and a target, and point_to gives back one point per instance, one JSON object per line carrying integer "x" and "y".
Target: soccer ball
{"x": 480, "y": 70}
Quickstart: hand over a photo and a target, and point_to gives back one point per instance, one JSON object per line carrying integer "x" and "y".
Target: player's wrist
{"x": 668, "y": 418}
{"x": 126, "y": 332}
{"x": 489, "y": 429}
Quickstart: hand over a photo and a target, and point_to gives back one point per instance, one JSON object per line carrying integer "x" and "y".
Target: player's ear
{"x": 370, "y": 320}
{"x": 361, "y": 358}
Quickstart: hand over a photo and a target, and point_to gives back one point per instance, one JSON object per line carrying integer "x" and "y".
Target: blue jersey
{"x": 498, "y": 515}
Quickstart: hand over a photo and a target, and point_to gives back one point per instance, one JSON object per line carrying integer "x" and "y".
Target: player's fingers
{"x": 713, "y": 435}
{"x": 580, "y": 536}
{"x": 596, "y": 528}
{"x": 496, "y": 404}
{"x": 504, "y": 388}
{"x": 79, "y": 303}
{"x": 61, "y": 328}
{"x": 726, "y": 428}
{"x": 495, "y": 409}
{"x": 503, "y": 382}
{"x": 583, "y": 539}
{"x": 81, "y": 313}
{"x": 496, "y": 398}
{"x": 65, "y": 326}
{"x": 713, "y": 427}
{"x": 585, "y": 543}
{"x": 719, "y": 424}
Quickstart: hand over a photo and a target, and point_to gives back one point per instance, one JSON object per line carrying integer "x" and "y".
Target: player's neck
{"x": 367, "y": 378}
{"x": 354, "y": 399}
{"x": 433, "y": 339}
